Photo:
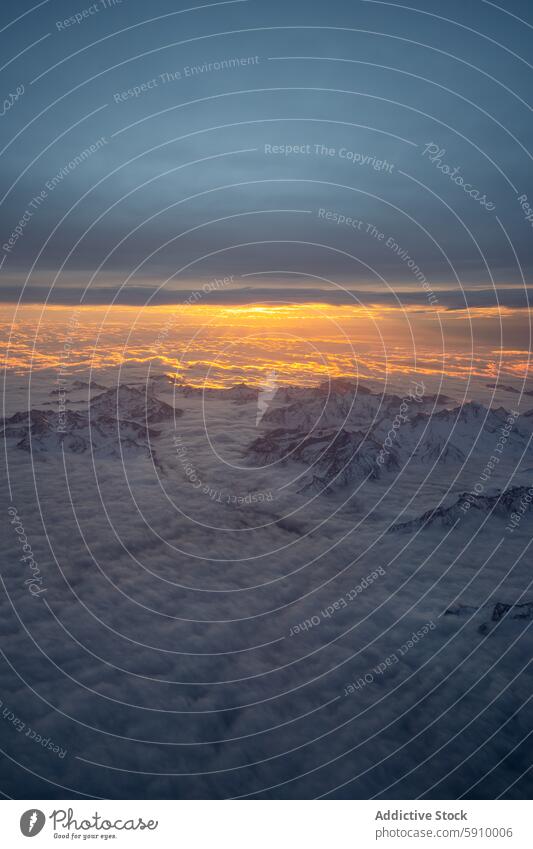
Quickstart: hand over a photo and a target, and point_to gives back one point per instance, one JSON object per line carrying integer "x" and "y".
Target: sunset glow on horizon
{"x": 218, "y": 346}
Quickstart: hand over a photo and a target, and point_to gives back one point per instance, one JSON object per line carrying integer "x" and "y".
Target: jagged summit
{"x": 346, "y": 437}
{"x": 501, "y": 505}
{"x": 130, "y": 403}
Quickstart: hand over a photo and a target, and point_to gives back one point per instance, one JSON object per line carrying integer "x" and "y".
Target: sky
{"x": 318, "y": 154}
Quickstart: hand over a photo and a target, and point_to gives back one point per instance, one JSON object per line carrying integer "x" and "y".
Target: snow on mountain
{"x": 238, "y": 392}
{"x": 505, "y": 387}
{"x": 114, "y": 423}
{"x": 78, "y": 385}
{"x": 128, "y": 403}
{"x": 348, "y": 436}
{"x": 338, "y": 409}
{"x": 341, "y": 403}
{"x": 232, "y": 561}
{"x": 335, "y": 458}
{"x": 351, "y": 457}
{"x": 498, "y": 612}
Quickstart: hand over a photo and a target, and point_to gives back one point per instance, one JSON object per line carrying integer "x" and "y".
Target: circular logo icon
{"x": 32, "y": 822}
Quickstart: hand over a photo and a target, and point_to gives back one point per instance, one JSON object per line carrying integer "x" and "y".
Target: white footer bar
{"x": 267, "y": 824}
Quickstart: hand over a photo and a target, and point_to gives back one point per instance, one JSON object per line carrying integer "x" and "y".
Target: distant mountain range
{"x": 116, "y": 421}
{"x": 349, "y": 436}
{"x": 500, "y": 505}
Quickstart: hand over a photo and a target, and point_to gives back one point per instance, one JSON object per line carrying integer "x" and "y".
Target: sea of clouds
{"x": 186, "y": 644}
